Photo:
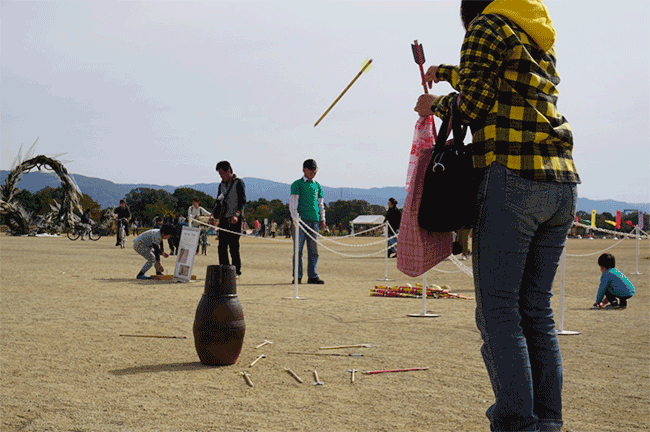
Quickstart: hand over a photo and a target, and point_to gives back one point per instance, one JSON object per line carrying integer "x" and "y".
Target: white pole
{"x": 638, "y": 239}
{"x": 424, "y": 313}
{"x": 296, "y": 233}
{"x": 560, "y": 321}
{"x": 387, "y": 251}
{"x": 296, "y": 256}
{"x": 424, "y": 293}
{"x": 560, "y": 313}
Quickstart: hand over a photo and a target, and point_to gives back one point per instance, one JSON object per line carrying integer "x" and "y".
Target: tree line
{"x": 146, "y": 203}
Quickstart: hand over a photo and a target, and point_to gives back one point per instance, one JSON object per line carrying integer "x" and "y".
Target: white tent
{"x": 367, "y": 220}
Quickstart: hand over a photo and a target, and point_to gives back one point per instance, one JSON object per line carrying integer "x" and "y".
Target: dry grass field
{"x": 65, "y": 366}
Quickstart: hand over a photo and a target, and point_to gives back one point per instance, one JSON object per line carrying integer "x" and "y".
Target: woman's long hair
{"x": 470, "y": 9}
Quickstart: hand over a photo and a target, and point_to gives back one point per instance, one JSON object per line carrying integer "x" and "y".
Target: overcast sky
{"x": 159, "y": 92}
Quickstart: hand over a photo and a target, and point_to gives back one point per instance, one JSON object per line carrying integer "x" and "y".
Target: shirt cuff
{"x": 445, "y": 72}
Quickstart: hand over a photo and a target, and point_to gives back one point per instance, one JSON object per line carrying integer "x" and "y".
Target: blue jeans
{"x": 312, "y": 250}
{"x": 519, "y": 235}
{"x": 392, "y": 242}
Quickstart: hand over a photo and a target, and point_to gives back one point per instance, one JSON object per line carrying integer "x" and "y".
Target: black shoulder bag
{"x": 450, "y": 186}
{"x": 220, "y": 204}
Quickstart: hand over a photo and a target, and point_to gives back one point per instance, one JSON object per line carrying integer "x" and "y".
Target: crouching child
{"x": 148, "y": 245}
{"x": 614, "y": 286}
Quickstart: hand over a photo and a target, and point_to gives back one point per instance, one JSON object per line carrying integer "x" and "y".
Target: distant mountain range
{"x": 108, "y": 194}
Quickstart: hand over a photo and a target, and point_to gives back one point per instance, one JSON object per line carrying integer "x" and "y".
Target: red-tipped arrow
{"x": 418, "y": 56}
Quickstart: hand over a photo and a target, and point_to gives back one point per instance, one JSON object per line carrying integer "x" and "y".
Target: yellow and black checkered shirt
{"x": 509, "y": 96}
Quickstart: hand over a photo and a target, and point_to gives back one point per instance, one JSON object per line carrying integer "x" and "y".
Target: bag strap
{"x": 229, "y": 188}
{"x": 450, "y": 123}
{"x": 225, "y": 194}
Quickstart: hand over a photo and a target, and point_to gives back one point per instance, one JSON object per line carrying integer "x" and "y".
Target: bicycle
{"x": 75, "y": 232}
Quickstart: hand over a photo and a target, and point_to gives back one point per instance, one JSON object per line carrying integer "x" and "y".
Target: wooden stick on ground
{"x": 247, "y": 377}
{"x": 346, "y": 346}
{"x": 394, "y": 370}
{"x": 261, "y": 356}
{"x": 293, "y": 374}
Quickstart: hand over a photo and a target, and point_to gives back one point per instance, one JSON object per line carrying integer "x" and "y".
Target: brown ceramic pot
{"x": 219, "y": 321}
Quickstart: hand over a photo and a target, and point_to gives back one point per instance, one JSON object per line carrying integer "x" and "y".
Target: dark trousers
{"x": 622, "y": 301}
{"x": 126, "y": 231}
{"x": 228, "y": 240}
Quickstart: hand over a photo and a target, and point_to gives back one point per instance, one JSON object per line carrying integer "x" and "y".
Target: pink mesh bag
{"x": 419, "y": 250}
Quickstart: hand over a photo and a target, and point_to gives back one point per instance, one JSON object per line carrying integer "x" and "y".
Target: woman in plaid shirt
{"x": 521, "y": 147}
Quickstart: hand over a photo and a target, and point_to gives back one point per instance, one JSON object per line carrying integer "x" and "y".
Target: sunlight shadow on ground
{"x": 137, "y": 282}
{"x": 169, "y": 367}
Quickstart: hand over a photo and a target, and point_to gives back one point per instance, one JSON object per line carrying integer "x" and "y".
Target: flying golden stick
{"x": 364, "y": 68}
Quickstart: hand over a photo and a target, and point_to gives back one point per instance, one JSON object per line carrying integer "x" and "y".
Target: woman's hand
{"x": 430, "y": 76}
{"x": 423, "y": 106}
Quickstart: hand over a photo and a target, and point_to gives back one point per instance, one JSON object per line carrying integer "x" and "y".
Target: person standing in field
{"x": 306, "y": 203}
{"x": 228, "y": 210}
{"x": 193, "y": 213}
{"x": 394, "y": 218}
{"x": 195, "y": 210}
{"x": 522, "y": 153}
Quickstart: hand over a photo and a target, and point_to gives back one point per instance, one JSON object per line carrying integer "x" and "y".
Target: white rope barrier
{"x": 331, "y": 239}
{"x": 326, "y": 238}
{"x": 361, "y": 232}
{"x": 241, "y": 234}
{"x": 596, "y": 253}
{"x": 315, "y": 236}
{"x": 462, "y": 267}
{"x": 637, "y": 233}
{"x": 308, "y": 234}
{"x": 616, "y": 233}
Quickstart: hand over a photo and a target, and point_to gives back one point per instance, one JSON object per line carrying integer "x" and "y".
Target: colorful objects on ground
{"x": 433, "y": 291}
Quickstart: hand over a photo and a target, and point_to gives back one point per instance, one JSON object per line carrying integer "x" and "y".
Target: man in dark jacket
{"x": 228, "y": 210}
{"x": 394, "y": 218}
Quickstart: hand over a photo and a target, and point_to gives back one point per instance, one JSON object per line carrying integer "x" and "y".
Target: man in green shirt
{"x": 306, "y": 204}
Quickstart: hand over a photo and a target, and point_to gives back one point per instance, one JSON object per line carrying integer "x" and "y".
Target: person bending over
{"x": 148, "y": 244}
